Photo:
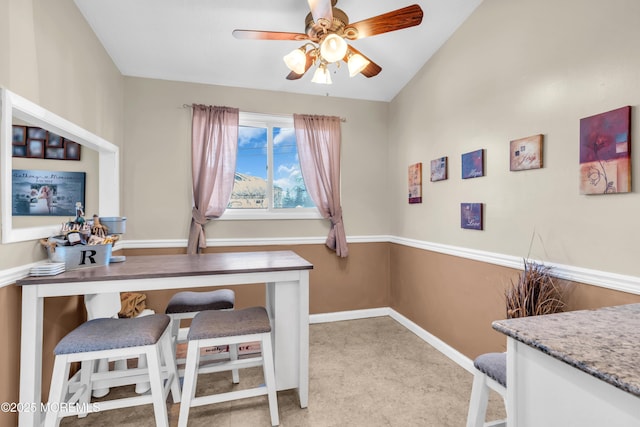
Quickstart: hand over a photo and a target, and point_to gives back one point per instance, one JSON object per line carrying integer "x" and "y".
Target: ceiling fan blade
{"x": 321, "y": 9}
{"x": 295, "y": 76}
{"x": 399, "y": 19}
{"x": 370, "y": 70}
{"x": 267, "y": 35}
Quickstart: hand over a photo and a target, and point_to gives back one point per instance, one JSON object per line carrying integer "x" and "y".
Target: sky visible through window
{"x": 252, "y": 152}
{"x": 289, "y": 190}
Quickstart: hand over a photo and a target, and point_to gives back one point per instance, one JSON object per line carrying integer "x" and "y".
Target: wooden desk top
{"x": 152, "y": 266}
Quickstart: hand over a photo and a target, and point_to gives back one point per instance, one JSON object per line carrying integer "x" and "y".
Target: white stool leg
{"x": 233, "y": 355}
{"x": 142, "y": 388}
{"x": 103, "y": 366}
{"x": 157, "y": 389}
{"x": 269, "y": 377}
{"x": 169, "y": 362}
{"x": 57, "y": 390}
{"x": 120, "y": 364}
{"x": 87, "y": 368}
{"x": 478, "y": 402}
{"x": 190, "y": 381}
{"x": 175, "y": 329}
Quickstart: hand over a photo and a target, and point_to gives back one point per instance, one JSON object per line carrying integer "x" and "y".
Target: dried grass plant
{"x": 536, "y": 292}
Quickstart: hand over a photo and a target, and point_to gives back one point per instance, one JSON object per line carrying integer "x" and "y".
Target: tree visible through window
{"x": 268, "y": 173}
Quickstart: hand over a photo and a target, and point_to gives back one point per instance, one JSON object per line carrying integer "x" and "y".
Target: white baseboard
{"x": 349, "y": 315}
{"x": 430, "y": 339}
{"x": 434, "y": 341}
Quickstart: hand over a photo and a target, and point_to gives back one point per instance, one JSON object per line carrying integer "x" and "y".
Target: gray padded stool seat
{"x": 186, "y": 304}
{"x": 212, "y": 328}
{"x": 213, "y": 324}
{"x": 494, "y": 365}
{"x": 109, "y": 337}
{"x": 189, "y": 302}
{"x": 490, "y": 374}
{"x": 110, "y": 333}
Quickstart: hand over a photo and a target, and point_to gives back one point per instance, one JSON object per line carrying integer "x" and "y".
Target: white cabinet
{"x": 544, "y": 391}
{"x": 574, "y": 369}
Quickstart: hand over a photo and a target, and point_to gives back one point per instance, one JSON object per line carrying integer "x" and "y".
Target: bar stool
{"x": 104, "y": 338}
{"x": 108, "y": 305}
{"x": 490, "y": 374}
{"x": 210, "y": 328}
{"x": 186, "y": 304}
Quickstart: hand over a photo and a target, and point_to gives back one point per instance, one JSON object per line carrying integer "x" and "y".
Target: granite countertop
{"x": 604, "y": 343}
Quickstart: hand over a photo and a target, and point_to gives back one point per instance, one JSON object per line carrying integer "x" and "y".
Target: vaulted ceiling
{"x": 191, "y": 41}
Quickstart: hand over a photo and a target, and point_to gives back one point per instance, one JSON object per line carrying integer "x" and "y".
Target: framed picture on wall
{"x": 71, "y": 150}
{"x": 415, "y": 183}
{"x": 36, "y": 133}
{"x": 54, "y": 141}
{"x": 38, "y": 143}
{"x": 19, "y": 135}
{"x": 439, "y": 169}
{"x": 473, "y": 164}
{"x": 19, "y": 151}
{"x": 46, "y": 193}
{"x": 35, "y": 148}
{"x": 605, "y": 148}
{"x": 54, "y": 153}
{"x": 525, "y": 153}
{"x": 471, "y": 216}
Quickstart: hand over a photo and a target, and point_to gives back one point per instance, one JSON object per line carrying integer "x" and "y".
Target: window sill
{"x": 263, "y": 214}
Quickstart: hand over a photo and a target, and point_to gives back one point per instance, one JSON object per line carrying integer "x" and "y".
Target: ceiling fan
{"x": 326, "y": 28}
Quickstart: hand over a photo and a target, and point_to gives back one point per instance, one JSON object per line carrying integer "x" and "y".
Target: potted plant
{"x": 536, "y": 292}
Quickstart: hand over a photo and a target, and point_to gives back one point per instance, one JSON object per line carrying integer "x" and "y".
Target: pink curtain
{"x": 318, "y": 139}
{"x": 214, "y": 143}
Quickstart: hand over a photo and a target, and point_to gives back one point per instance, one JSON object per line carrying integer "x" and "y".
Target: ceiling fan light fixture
{"x": 322, "y": 75}
{"x": 333, "y": 48}
{"x": 296, "y": 60}
{"x": 356, "y": 64}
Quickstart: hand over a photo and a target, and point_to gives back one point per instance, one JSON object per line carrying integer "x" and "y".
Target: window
{"x": 268, "y": 181}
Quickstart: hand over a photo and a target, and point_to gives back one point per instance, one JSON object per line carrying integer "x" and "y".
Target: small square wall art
{"x": 525, "y": 153}
{"x": 439, "y": 169}
{"x": 471, "y": 216}
{"x": 473, "y": 164}
{"x": 415, "y": 183}
{"x": 605, "y": 152}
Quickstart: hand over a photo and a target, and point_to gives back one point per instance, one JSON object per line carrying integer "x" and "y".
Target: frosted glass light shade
{"x": 322, "y": 75}
{"x": 356, "y": 64}
{"x": 296, "y": 61}
{"x": 333, "y": 48}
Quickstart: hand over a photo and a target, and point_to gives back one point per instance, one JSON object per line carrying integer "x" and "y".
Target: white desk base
{"x": 287, "y": 301}
{"x": 544, "y": 391}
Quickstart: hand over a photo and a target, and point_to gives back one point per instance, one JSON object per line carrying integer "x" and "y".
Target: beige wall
{"x": 335, "y": 284}
{"x": 49, "y": 55}
{"x": 157, "y": 198}
{"x": 52, "y": 58}
{"x": 456, "y": 299}
{"x": 515, "y": 69}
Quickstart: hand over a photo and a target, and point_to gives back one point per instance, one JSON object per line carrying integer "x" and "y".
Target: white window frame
{"x": 269, "y": 121}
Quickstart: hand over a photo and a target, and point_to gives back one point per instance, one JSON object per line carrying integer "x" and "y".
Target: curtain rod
{"x": 342, "y": 119}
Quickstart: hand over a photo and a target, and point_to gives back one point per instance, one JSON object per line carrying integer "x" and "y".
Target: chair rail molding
{"x": 603, "y": 279}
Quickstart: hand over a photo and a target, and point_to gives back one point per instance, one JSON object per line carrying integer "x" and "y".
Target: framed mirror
{"x": 18, "y": 110}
